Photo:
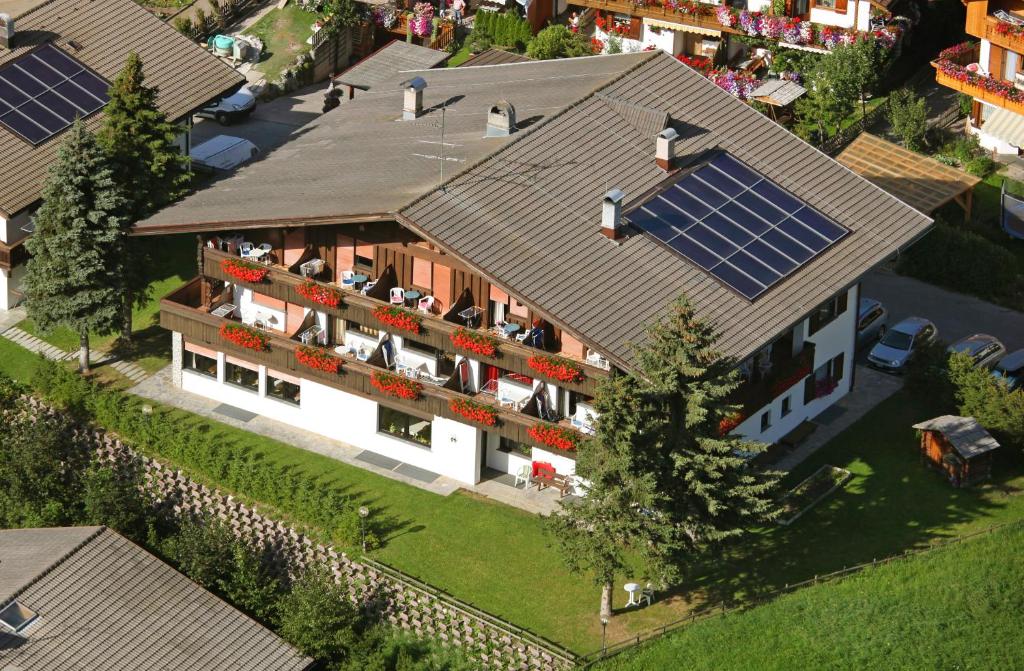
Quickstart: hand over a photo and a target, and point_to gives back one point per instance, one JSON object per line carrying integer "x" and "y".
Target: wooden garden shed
{"x": 958, "y": 446}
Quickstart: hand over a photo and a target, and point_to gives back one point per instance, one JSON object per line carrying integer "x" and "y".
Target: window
{"x": 203, "y": 365}
{"x": 16, "y": 616}
{"x": 766, "y": 420}
{"x": 356, "y": 327}
{"x": 825, "y": 380}
{"x": 402, "y": 425}
{"x": 241, "y": 377}
{"x": 364, "y": 255}
{"x": 509, "y": 445}
{"x": 283, "y": 390}
{"x": 787, "y": 406}
{"x": 827, "y": 312}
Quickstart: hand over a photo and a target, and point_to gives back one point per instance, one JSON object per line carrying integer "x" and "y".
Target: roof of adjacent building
{"x": 965, "y": 434}
{"x": 539, "y": 201}
{"x": 919, "y": 181}
{"x": 105, "y": 604}
{"x": 494, "y": 57}
{"x": 778, "y": 92}
{"x": 362, "y": 161}
{"x": 103, "y": 33}
{"x": 385, "y": 64}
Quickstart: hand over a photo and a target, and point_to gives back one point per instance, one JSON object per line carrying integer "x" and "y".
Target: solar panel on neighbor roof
{"x": 42, "y": 92}
{"x": 738, "y": 225}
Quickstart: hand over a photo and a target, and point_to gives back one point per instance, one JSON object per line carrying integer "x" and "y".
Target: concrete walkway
{"x": 159, "y": 388}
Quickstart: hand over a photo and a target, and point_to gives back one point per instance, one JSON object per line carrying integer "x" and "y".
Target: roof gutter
{"x": 201, "y": 227}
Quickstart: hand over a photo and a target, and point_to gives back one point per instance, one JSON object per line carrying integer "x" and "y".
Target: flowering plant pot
{"x": 244, "y": 271}
{"x": 474, "y": 412}
{"x": 557, "y": 437}
{"x": 727, "y": 424}
{"x": 477, "y": 343}
{"x": 318, "y": 358}
{"x": 396, "y": 385}
{"x": 318, "y": 293}
{"x": 244, "y": 336}
{"x": 556, "y": 368}
{"x": 399, "y": 318}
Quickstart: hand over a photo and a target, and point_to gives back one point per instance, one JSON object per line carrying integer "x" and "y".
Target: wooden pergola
{"x": 919, "y": 181}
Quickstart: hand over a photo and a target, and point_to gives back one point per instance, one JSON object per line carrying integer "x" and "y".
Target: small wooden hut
{"x": 959, "y": 447}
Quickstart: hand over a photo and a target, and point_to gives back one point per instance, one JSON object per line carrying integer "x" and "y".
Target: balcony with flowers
{"x": 957, "y": 68}
{"x": 800, "y": 33}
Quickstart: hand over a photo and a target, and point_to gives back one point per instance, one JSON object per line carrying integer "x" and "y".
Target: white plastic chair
{"x": 647, "y": 594}
{"x": 366, "y": 287}
{"x": 426, "y": 304}
{"x": 523, "y": 476}
{"x": 245, "y": 249}
{"x": 398, "y": 296}
{"x": 346, "y": 279}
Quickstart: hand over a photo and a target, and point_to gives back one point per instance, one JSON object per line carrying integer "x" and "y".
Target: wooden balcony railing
{"x": 782, "y": 377}
{"x": 179, "y": 312}
{"x": 977, "y": 89}
{"x": 990, "y": 32}
{"x": 435, "y": 331}
{"x": 13, "y": 255}
{"x": 657, "y": 10}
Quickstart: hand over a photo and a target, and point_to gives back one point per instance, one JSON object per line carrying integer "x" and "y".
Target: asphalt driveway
{"x": 955, "y": 315}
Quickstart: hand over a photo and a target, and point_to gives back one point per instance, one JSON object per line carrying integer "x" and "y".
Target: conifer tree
{"x": 147, "y": 163}
{"x": 73, "y": 277}
{"x": 664, "y": 484}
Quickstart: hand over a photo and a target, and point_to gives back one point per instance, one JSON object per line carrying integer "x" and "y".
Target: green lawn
{"x": 284, "y": 33}
{"x": 954, "y": 608}
{"x": 173, "y": 263}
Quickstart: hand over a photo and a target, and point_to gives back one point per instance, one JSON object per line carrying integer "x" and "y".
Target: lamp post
{"x": 604, "y": 638}
{"x": 364, "y": 512}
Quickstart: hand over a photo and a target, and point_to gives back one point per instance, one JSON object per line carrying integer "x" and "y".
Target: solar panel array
{"x": 42, "y": 92}
{"x": 738, "y": 225}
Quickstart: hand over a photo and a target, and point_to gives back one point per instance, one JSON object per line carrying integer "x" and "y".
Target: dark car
{"x": 1010, "y": 370}
{"x": 871, "y": 321}
{"x": 984, "y": 349}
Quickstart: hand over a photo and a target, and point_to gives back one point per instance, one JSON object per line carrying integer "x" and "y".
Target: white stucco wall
{"x": 859, "y": 11}
{"x": 10, "y": 286}
{"x": 984, "y": 54}
{"x": 669, "y": 41}
{"x": 11, "y": 229}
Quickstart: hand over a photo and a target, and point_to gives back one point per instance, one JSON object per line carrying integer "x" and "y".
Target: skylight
{"x": 16, "y": 617}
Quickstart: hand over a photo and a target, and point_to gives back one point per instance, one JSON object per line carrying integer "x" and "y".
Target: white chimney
{"x": 6, "y": 31}
{"x": 413, "y": 103}
{"x": 665, "y": 148}
{"x": 611, "y": 214}
{"x": 501, "y": 119}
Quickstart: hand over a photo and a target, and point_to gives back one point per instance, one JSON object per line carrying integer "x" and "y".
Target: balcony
{"x": 182, "y": 311}
{"x": 435, "y": 331}
{"x": 765, "y": 387}
{"x": 996, "y": 32}
{"x": 954, "y": 71}
{"x": 13, "y": 255}
{"x": 657, "y": 10}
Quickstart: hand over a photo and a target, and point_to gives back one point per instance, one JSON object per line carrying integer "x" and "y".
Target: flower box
{"x": 318, "y": 358}
{"x": 399, "y": 318}
{"x": 557, "y": 437}
{"x": 727, "y": 424}
{"x": 244, "y": 336}
{"x": 992, "y": 90}
{"x": 396, "y": 385}
{"x": 318, "y": 293}
{"x": 556, "y": 368}
{"x": 474, "y": 412}
{"x": 244, "y": 271}
{"x": 477, "y": 343}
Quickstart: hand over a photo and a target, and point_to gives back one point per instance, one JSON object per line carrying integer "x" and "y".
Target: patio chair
{"x": 245, "y": 249}
{"x": 426, "y": 304}
{"x": 398, "y": 296}
{"x": 346, "y": 279}
{"x": 366, "y": 287}
{"x": 647, "y": 594}
{"x": 523, "y": 476}
{"x": 267, "y": 250}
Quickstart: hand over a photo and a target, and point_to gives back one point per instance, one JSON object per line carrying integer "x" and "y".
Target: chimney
{"x": 665, "y": 148}
{"x": 6, "y": 31}
{"x": 501, "y": 119}
{"x": 413, "y": 104}
{"x": 611, "y": 214}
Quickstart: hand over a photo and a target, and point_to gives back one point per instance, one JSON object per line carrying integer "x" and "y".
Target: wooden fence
{"x": 838, "y": 142}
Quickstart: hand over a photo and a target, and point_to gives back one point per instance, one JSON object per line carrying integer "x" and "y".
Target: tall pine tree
{"x": 148, "y": 164}
{"x": 664, "y": 485}
{"x": 73, "y": 277}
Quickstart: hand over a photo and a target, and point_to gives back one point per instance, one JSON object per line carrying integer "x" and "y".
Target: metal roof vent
{"x": 6, "y": 31}
{"x": 17, "y": 617}
{"x": 611, "y": 214}
{"x": 501, "y": 119}
{"x": 412, "y": 106}
{"x": 665, "y": 148}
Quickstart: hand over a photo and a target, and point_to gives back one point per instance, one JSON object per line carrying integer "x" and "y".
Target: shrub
{"x": 965, "y": 102}
{"x": 909, "y": 117}
{"x": 318, "y": 618}
{"x": 980, "y": 166}
{"x": 115, "y": 499}
{"x": 558, "y": 42}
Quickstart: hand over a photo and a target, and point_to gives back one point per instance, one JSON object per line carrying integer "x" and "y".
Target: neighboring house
{"x": 546, "y": 208}
{"x": 991, "y": 72}
{"x": 57, "y": 60}
{"x": 88, "y": 598}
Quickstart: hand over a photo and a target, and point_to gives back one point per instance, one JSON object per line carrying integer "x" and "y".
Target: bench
{"x": 545, "y": 478}
{"x": 799, "y": 434}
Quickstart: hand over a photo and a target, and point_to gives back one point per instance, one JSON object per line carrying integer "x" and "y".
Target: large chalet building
{"x": 57, "y": 60}
{"x": 443, "y": 269}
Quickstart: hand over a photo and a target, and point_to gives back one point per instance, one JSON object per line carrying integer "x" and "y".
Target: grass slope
{"x": 953, "y": 608}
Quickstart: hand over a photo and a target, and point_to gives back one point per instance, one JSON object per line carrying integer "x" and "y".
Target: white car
{"x": 223, "y": 153}
{"x": 229, "y": 109}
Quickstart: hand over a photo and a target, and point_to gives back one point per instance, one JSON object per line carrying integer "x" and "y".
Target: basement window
{"x": 17, "y": 617}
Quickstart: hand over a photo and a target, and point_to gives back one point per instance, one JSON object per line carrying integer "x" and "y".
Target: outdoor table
{"x": 632, "y": 589}
{"x": 510, "y": 329}
{"x": 257, "y": 254}
{"x": 411, "y": 298}
{"x": 470, "y": 314}
{"x": 358, "y": 281}
{"x": 224, "y": 310}
{"x": 310, "y": 334}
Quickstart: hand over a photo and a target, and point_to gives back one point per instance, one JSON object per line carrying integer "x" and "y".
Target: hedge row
{"x": 506, "y": 29}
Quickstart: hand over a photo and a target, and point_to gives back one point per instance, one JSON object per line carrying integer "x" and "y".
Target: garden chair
{"x": 245, "y": 249}
{"x": 523, "y": 476}
{"x": 346, "y": 279}
{"x": 426, "y": 304}
{"x": 647, "y": 594}
{"x": 398, "y": 296}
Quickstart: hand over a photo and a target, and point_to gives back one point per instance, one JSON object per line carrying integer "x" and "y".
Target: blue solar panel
{"x": 43, "y": 92}
{"x": 738, "y": 225}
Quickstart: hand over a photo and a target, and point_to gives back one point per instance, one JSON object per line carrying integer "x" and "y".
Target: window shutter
{"x": 837, "y": 366}
{"x": 996, "y": 61}
{"x": 841, "y": 6}
{"x": 635, "y": 25}
{"x": 809, "y": 389}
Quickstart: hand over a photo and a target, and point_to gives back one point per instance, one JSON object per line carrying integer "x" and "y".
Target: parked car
{"x": 1010, "y": 369}
{"x": 871, "y": 321}
{"x": 986, "y": 350}
{"x": 897, "y": 346}
{"x": 230, "y": 109}
{"x": 223, "y": 153}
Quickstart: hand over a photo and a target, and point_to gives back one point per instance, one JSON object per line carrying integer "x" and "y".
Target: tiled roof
{"x": 494, "y": 57}
{"x": 105, "y": 604}
{"x": 965, "y": 434}
{"x": 104, "y": 32}
{"x": 384, "y": 65}
{"x": 539, "y": 201}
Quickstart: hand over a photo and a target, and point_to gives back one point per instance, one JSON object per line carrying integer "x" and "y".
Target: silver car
{"x": 871, "y": 321}
{"x": 897, "y": 346}
{"x": 984, "y": 349}
{"x": 1010, "y": 370}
